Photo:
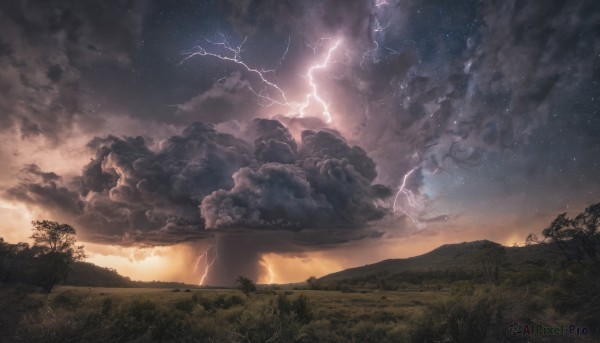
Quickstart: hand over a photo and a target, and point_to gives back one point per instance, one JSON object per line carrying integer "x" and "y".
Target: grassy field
{"x": 88, "y": 314}
{"x": 340, "y": 306}
{"x": 82, "y": 314}
{"x": 326, "y": 304}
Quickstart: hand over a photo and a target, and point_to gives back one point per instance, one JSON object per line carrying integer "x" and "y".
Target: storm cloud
{"x": 49, "y": 53}
{"x": 330, "y": 185}
{"x": 498, "y": 95}
{"x": 203, "y": 179}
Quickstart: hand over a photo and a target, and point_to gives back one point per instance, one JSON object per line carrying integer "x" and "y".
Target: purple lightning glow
{"x": 404, "y": 191}
{"x": 233, "y": 54}
{"x": 379, "y": 3}
{"x": 314, "y": 94}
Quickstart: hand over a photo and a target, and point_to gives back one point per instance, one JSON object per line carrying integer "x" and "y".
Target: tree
{"x": 491, "y": 257}
{"x": 245, "y": 285}
{"x": 5, "y": 260}
{"x": 16, "y": 262}
{"x": 54, "y": 249}
{"x": 578, "y": 239}
{"x": 313, "y": 283}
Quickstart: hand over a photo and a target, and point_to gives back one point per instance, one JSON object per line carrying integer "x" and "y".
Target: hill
{"x": 90, "y": 275}
{"x": 463, "y": 256}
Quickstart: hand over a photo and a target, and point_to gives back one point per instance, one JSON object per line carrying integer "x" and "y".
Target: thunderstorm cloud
{"x": 106, "y": 124}
{"x": 203, "y": 179}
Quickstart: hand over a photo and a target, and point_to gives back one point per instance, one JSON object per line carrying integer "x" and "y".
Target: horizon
{"x": 198, "y": 141}
{"x": 265, "y": 281}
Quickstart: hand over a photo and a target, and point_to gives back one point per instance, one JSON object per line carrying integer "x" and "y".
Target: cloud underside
{"x": 203, "y": 182}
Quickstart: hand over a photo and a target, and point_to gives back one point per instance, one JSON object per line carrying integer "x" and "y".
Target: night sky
{"x": 201, "y": 140}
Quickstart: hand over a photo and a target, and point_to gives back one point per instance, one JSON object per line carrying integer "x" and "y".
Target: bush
{"x": 67, "y": 317}
{"x": 476, "y": 318}
{"x": 186, "y": 306}
{"x": 319, "y": 331}
{"x": 462, "y": 288}
{"x": 368, "y": 331}
{"x": 261, "y": 321}
{"x": 245, "y": 285}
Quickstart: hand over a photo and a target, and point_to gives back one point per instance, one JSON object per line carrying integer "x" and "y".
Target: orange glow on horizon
{"x": 177, "y": 263}
{"x": 169, "y": 263}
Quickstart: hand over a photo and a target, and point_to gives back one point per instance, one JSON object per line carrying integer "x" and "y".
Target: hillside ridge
{"x": 462, "y": 256}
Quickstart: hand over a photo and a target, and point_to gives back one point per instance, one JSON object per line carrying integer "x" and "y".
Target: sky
{"x": 196, "y": 141}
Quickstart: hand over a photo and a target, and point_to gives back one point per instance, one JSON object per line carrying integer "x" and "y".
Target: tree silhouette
{"x": 313, "y": 283}
{"x": 491, "y": 257}
{"x": 245, "y": 285}
{"x": 578, "y": 239}
{"x": 54, "y": 249}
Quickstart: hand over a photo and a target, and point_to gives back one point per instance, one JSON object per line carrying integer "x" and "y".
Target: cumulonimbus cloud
{"x": 204, "y": 179}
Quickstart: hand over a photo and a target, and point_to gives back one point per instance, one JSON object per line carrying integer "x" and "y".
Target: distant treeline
{"x": 44, "y": 263}
{"x": 55, "y": 258}
{"x": 431, "y": 280}
{"x": 90, "y": 275}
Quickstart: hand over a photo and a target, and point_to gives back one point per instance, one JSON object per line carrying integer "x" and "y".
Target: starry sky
{"x": 201, "y": 140}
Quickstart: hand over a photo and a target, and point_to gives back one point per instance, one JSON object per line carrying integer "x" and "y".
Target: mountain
{"x": 463, "y": 256}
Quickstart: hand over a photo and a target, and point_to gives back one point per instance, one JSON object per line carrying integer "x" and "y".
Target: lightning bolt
{"x": 197, "y": 263}
{"x": 271, "y": 274}
{"x": 209, "y": 255}
{"x": 368, "y": 52}
{"x": 379, "y": 3}
{"x": 233, "y": 55}
{"x": 402, "y": 190}
{"x": 271, "y": 93}
{"x": 376, "y": 30}
{"x": 314, "y": 94}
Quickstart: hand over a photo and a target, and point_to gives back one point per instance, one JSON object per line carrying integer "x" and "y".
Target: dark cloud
{"x": 330, "y": 144}
{"x": 275, "y": 195}
{"x": 45, "y": 189}
{"x": 329, "y": 185}
{"x": 349, "y": 18}
{"x": 147, "y": 191}
{"x": 448, "y": 87}
{"x": 35, "y": 170}
{"x": 229, "y": 98}
{"x": 49, "y": 49}
{"x": 273, "y": 142}
{"x": 206, "y": 179}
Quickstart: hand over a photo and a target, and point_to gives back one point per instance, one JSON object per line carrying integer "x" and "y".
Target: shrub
{"x": 473, "y": 318}
{"x": 261, "y": 321}
{"x": 60, "y": 325}
{"x": 186, "y": 306}
{"x": 318, "y": 331}
{"x": 368, "y": 331}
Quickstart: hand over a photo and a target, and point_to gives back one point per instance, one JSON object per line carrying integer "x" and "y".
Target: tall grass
{"x": 469, "y": 313}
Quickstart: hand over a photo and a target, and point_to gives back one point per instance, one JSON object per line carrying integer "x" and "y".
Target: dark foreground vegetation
{"x": 548, "y": 291}
{"x": 466, "y": 313}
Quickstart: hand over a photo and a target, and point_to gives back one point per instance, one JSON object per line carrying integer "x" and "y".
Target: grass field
{"x": 81, "y": 314}
{"x": 324, "y": 303}
{"x": 95, "y": 314}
